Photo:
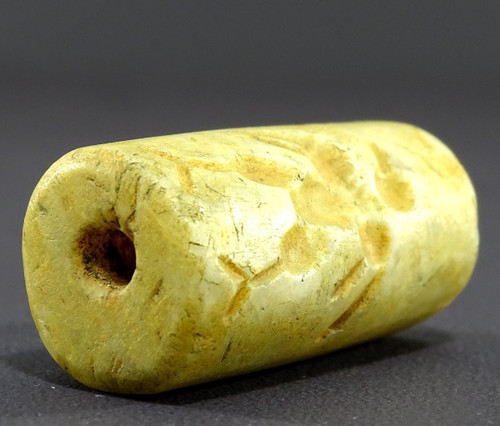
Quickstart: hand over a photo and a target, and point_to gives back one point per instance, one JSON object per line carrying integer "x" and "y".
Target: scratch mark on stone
{"x": 157, "y": 288}
{"x": 226, "y": 352}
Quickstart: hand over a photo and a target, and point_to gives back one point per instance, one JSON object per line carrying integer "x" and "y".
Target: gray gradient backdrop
{"x": 74, "y": 73}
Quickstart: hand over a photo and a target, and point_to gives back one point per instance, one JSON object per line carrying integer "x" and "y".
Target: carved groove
{"x": 232, "y": 269}
{"x": 343, "y": 285}
{"x": 238, "y": 299}
{"x": 359, "y": 303}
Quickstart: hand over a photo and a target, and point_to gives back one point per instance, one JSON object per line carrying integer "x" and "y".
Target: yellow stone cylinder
{"x": 164, "y": 262}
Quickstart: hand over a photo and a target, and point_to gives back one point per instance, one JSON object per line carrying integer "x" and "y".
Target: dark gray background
{"x": 74, "y": 73}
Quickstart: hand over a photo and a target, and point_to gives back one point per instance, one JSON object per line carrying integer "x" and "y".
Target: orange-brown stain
{"x": 301, "y": 249}
{"x": 205, "y": 165}
{"x": 185, "y": 179}
{"x": 382, "y": 158}
{"x": 394, "y": 190}
{"x": 264, "y": 171}
{"x": 375, "y": 240}
{"x": 332, "y": 163}
{"x": 254, "y": 168}
{"x": 318, "y": 205}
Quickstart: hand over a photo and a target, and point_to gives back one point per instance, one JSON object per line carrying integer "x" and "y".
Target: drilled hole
{"x": 108, "y": 255}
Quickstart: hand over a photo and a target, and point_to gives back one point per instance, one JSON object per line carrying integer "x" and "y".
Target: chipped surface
{"x": 165, "y": 262}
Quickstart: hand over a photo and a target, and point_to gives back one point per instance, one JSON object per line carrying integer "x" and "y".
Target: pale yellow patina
{"x": 164, "y": 262}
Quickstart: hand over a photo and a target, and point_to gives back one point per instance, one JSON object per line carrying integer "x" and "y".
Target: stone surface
{"x": 169, "y": 261}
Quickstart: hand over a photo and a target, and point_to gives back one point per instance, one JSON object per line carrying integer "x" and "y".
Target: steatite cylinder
{"x": 164, "y": 262}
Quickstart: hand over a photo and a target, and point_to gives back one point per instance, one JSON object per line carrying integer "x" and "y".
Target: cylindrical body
{"x": 164, "y": 262}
